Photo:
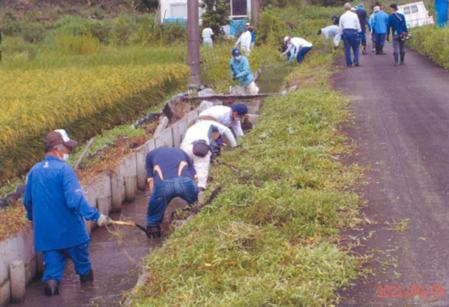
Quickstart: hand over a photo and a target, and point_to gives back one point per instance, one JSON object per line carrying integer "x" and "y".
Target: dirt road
{"x": 401, "y": 127}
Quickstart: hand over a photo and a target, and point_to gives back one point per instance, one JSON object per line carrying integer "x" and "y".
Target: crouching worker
{"x": 241, "y": 71}
{"x": 197, "y": 146}
{"x": 170, "y": 174}
{"x": 55, "y": 203}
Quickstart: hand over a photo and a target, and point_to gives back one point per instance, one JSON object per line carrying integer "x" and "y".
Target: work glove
{"x": 103, "y": 220}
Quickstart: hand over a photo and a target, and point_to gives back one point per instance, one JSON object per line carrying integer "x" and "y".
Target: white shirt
{"x": 203, "y": 130}
{"x": 349, "y": 20}
{"x": 298, "y": 43}
{"x": 330, "y": 30}
{"x": 207, "y": 33}
{"x": 224, "y": 115}
{"x": 244, "y": 40}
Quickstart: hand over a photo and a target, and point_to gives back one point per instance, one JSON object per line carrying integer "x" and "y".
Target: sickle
{"x": 132, "y": 224}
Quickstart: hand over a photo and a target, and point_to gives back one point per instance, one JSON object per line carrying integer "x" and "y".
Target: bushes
{"x": 432, "y": 42}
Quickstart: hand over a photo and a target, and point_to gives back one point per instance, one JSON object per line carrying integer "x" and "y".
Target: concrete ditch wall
{"x": 108, "y": 193}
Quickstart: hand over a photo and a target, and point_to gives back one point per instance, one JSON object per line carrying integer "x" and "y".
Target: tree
{"x": 216, "y": 15}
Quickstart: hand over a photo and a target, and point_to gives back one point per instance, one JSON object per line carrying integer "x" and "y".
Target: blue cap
{"x": 240, "y": 108}
{"x": 236, "y": 52}
{"x": 335, "y": 16}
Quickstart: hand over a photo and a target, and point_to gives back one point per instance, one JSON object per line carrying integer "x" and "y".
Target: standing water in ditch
{"x": 116, "y": 258}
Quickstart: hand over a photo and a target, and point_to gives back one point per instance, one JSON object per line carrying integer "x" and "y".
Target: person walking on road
{"x": 350, "y": 29}
{"x": 196, "y": 144}
{"x": 245, "y": 42}
{"x": 170, "y": 174}
{"x": 331, "y": 30}
{"x": 298, "y": 47}
{"x": 240, "y": 70}
{"x": 253, "y": 36}
{"x": 55, "y": 203}
{"x": 380, "y": 25}
{"x": 398, "y": 26}
{"x": 208, "y": 36}
{"x": 363, "y": 19}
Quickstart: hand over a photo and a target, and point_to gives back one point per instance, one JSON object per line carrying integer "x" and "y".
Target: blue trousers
{"x": 55, "y": 260}
{"x": 164, "y": 191}
{"x": 380, "y": 39}
{"x": 363, "y": 37}
{"x": 302, "y": 52}
{"x": 351, "y": 40}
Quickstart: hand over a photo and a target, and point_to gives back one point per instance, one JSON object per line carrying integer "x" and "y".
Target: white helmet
{"x": 286, "y": 39}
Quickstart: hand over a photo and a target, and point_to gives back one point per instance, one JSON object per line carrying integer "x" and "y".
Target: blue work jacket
{"x": 241, "y": 70}
{"x": 380, "y": 23}
{"x": 397, "y": 26}
{"x": 55, "y": 203}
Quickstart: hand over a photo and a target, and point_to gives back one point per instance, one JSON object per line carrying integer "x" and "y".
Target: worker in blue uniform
{"x": 55, "y": 203}
{"x": 170, "y": 174}
{"x": 240, "y": 70}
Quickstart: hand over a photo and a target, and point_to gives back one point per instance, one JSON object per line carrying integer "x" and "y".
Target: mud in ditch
{"x": 115, "y": 264}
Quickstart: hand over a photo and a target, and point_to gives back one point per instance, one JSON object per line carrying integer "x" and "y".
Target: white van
{"x": 415, "y": 14}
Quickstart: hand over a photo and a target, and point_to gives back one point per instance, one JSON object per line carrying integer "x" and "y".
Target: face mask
{"x": 65, "y": 157}
{"x": 238, "y": 57}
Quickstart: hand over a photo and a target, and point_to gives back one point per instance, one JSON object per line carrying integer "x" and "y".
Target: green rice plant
{"x": 69, "y": 44}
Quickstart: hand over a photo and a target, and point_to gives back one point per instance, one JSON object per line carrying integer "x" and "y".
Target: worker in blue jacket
{"x": 170, "y": 174}
{"x": 55, "y": 203}
{"x": 380, "y": 25}
{"x": 241, "y": 71}
{"x": 397, "y": 25}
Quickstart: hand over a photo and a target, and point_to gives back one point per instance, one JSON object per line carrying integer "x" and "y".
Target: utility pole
{"x": 193, "y": 41}
{"x": 254, "y": 13}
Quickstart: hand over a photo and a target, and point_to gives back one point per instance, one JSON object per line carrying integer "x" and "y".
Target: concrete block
{"x": 118, "y": 188}
{"x": 40, "y": 267}
{"x": 18, "y": 280}
{"x": 90, "y": 193}
{"x": 131, "y": 165}
{"x": 253, "y": 118}
{"x": 130, "y": 188}
{"x": 159, "y": 143}
{"x": 30, "y": 269}
{"x": 254, "y": 107}
{"x": 178, "y": 131}
{"x": 201, "y": 198}
{"x": 204, "y": 105}
{"x": 103, "y": 185}
{"x": 5, "y": 293}
{"x": 166, "y": 136}
{"x": 141, "y": 170}
{"x": 192, "y": 115}
{"x": 104, "y": 205}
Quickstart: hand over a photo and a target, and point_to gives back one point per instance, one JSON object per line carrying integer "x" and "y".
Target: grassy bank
{"x": 270, "y": 238}
{"x": 432, "y": 42}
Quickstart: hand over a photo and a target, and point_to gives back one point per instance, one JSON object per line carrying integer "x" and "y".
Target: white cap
{"x": 247, "y": 24}
{"x": 65, "y": 137}
{"x": 376, "y": 9}
{"x": 286, "y": 39}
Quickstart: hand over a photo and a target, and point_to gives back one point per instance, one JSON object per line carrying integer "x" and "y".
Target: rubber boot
{"x": 51, "y": 287}
{"x": 377, "y": 50}
{"x": 382, "y": 51}
{"x": 153, "y": 232}
{"x": 364, "y": 50}
{"x": 396, "y": 58}
{"x": 402, "y": 58}
{"x": 88, "y": 276}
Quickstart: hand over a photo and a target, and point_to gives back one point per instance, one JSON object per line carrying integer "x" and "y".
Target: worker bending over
{"x": 196, "y": 144}
{"x": 241, "y": 71}
{"x": 55, "y": 203}
{"x": 170, "y": 174}
{"x": 298, "y": 47}
{"x": 228, "y": 116}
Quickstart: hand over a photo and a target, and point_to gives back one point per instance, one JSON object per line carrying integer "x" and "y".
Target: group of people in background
{"x": 352, "y": 28}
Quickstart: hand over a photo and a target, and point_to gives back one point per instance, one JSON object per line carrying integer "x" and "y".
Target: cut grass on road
{"x": 271, "y": 237}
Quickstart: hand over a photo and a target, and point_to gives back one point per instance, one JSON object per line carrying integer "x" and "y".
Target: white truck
{"x": 415, "y": 14}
